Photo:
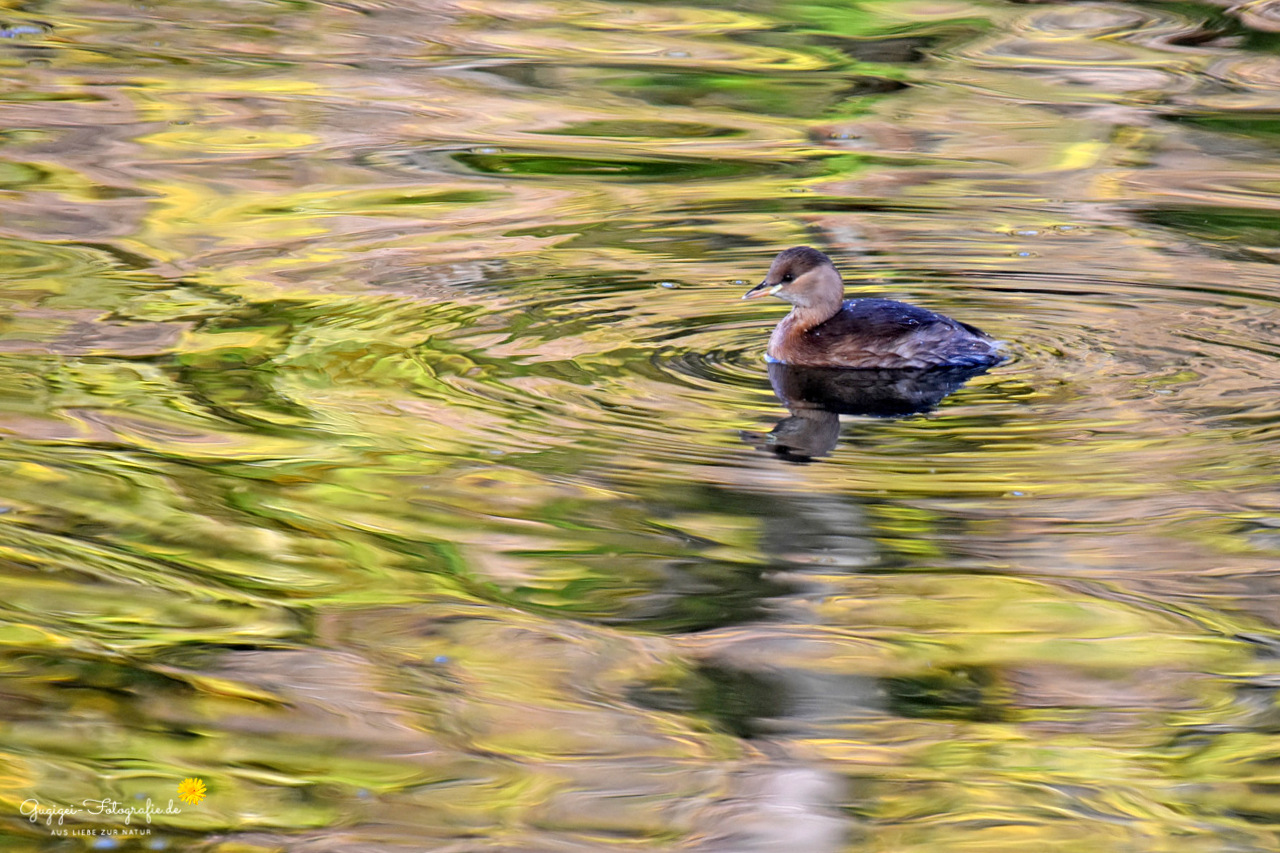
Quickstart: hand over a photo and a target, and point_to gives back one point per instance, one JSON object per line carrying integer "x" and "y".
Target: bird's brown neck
{"x": 804, "y": 317}
{"x": 801, "y": 319}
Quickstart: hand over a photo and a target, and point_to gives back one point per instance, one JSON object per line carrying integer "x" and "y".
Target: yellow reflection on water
{"x": 375, "y": 393}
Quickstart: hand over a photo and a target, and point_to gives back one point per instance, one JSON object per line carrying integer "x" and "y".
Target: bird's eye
{"x": 787, "y": 278}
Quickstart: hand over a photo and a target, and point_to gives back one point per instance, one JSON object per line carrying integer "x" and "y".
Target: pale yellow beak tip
{"x": 756, "y": 293}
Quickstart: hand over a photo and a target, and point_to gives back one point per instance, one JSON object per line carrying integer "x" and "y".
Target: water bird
{"x": 826, "y": 330}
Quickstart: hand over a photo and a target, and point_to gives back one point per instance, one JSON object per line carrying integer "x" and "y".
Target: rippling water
{"x": 384, "y": 443}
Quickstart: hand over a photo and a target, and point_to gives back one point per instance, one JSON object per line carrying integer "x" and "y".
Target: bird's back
{"x": 884, "y": 333}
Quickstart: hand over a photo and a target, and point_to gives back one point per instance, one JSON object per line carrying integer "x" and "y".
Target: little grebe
{"x": 823, "y": 330}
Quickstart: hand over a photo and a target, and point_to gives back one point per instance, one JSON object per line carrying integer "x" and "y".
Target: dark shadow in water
{"x": 972, "y": 693}
{"x": 736, "y": 700}
{"x": 760, "y": 702}
{"x": 817, "y": 396}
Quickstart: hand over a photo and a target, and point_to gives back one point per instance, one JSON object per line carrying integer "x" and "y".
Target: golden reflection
{"x": 371, "y": 397}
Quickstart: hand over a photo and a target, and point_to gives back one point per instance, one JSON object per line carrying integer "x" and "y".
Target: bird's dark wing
{"x": 882, "y": 319}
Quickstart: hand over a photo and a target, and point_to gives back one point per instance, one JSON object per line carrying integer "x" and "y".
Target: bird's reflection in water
{"x": 816, "y": 397}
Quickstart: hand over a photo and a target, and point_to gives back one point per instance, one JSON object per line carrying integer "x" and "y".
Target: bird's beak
{"x": 762, "y": 289}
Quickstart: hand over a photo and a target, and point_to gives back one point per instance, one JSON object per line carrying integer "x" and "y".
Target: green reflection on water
{"x": 651, "y": 170}
{"x": 1241, "y": 226}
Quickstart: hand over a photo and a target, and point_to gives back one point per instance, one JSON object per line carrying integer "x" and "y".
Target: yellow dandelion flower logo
{"x": 191, "y": 791}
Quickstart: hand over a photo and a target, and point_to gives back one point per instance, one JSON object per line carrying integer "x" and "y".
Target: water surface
{"x": 384, "y": 443}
